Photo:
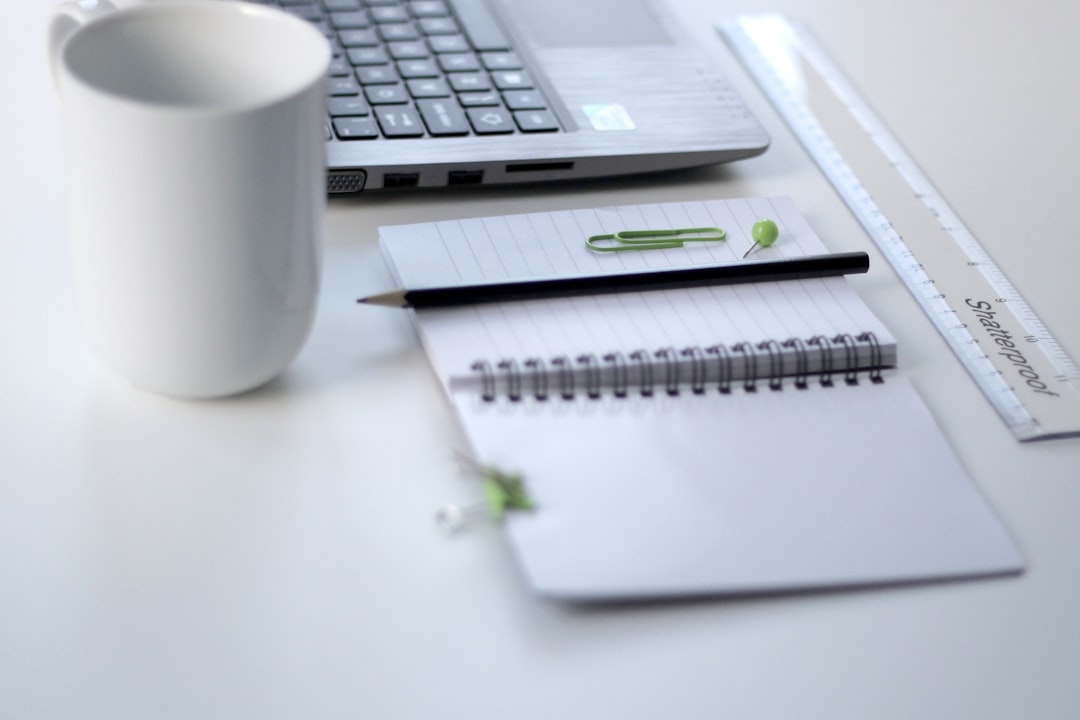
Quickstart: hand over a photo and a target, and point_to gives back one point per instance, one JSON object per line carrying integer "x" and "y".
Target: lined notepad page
{"x": 694, "y": 492}
{"x": 553, "y": 243}
{"x": 745, "y": 492}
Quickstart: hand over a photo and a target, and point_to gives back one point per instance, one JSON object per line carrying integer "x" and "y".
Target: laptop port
{"x": 395, "y": 180}
{"x": 345, "y": 181}
{"x": 540, "y": 167}
{"x": 465, "y": 177}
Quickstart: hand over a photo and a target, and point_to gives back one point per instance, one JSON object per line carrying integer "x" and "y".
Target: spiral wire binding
{"x": 761, "y": 363}
{"x": 565, "y": 373}
{"x": 592, "y": 375}
{"x": 538, "y": 371}
{"x": 724, "y": 368}
{"x": 776, "y": 363}
{"x": 513, "y": 378}
{"x": 802, "y": 363}
{"x": 825, "y": 345}
{"x": 697, "y": 369}
{"x": 850, "y": 357}
{"x": 646, "y": 367}
{"x": 876, "y": 361}
{"x": 620, "y": 374}
{"x": 750, "y": 374}
{"x": 671, "y": 370}
{"x": 487, "y": 379}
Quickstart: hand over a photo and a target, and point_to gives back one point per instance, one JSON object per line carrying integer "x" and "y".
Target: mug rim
{"x": 319, "y": 54}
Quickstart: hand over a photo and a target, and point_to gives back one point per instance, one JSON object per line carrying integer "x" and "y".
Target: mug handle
{"x": 66, "y": 19}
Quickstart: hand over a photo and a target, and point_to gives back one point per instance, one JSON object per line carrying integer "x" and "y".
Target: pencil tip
{"x": 394, "y": 298}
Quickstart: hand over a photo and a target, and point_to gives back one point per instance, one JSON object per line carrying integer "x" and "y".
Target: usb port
{"x": 393, "y": 180}
{"x": 465, "y": 177}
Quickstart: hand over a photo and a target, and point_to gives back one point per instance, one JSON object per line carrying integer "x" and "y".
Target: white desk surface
{"x": 274, "y": 555}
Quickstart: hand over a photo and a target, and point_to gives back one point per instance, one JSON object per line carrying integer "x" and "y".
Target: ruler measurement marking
{"x": 981, "y": 315}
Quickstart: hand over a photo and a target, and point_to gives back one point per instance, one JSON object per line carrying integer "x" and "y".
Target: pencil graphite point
{"x": 393, "y": 298}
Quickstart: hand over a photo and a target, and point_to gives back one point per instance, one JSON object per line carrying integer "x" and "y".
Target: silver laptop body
{"x": 626, "y": 88}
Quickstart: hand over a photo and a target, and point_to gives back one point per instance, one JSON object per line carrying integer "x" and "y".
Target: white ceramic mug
{"x": 194, "y": 134}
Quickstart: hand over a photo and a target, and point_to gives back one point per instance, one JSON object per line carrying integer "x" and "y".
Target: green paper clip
{"x": 652, "y": 239}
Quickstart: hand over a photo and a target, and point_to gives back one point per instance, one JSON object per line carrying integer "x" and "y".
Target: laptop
{"x": 444, "y": 93}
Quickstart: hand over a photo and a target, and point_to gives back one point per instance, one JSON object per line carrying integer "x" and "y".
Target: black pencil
{"x": 811, "y": 266}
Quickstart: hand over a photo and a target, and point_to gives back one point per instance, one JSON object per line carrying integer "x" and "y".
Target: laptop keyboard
{"x": 422, "y": 68}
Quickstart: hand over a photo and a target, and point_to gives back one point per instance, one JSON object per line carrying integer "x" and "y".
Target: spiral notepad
{"x": 733, "y": 439}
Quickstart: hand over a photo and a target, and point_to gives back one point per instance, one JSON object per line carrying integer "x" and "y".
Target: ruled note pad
{"x": 738, "y": 439}
{"x": 553, "y": 243}
{"x": 548, "y": 244}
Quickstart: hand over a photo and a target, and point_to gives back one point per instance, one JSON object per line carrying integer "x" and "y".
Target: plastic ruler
{"x": 1020, "y": 367}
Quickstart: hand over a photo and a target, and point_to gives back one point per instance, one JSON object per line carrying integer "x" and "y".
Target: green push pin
{"x": 503, "y": 492}
{"x": 764, "y": 234}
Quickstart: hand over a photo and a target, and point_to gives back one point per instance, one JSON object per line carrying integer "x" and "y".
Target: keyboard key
{"x": 355, "y": 128}
{"x": 376, "y": 75}
{"x": 347, "y": 106}
{"x": 479, "y": 99}
{"x": 443, "y": 117}
{"x": 459, "y": 62}
{"x": 500, "y": 61}
{"x": 469, "y": 82}
{"x": 428, "y": 88}
{"x": 511, "y": 80}
{"x": 398, "y": 32}
{"x": 489, "y": 121}
{"x": 349, "y": 20}
{"x": 448, "y": 44}
{"x": 524, "y": 100}
{"x": 535, "y": 121}
{"x": 337, "y": 5}
{"x": 386, "y": 95}
{"x": 397, "y": 122}
{"x": 428, "y": 8}
{"x": 439, "y": 26}
{"x": 342, "y": 86}
{"x": 418, "y": 69}
{"x": 388, "y": 14}
{"x": 367, "y": 56}
{"x": 339, "y": 67}
{"x": 363, "y": 37}
{"x": 407, "y": 50}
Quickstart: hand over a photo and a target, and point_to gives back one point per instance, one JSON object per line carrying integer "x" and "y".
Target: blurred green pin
{"x": 503, "y": 492}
